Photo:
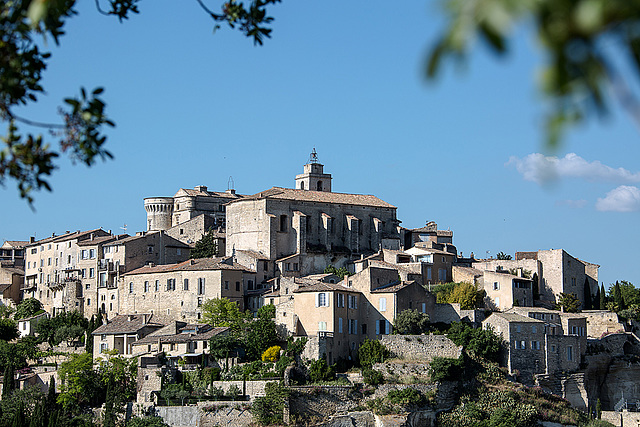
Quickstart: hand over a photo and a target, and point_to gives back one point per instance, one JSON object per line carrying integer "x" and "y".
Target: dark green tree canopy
{"x": 27, "y": 308}
{"x": 205, "y": 247}
{"x": 411, "y": 322}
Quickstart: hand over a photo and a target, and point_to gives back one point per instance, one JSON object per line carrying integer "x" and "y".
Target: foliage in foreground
{"x": 411, "y": 322}
{"x": 480, "y": 342}
{"x": 269, "y": 409}
{"x": 372, "y": 351}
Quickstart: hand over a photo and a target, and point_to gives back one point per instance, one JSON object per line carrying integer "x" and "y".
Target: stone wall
{"x": 231, "y": 417}
{"x": 445, "y": 313}
{"x": 315, "y": 403}
{"x": 601, "y": 322}
{"x": 622, "y": 419}
{"x": 205, "y": 415}
{"x": 421, "y": 347}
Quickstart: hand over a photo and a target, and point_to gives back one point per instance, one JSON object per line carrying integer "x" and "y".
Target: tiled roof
{"x": 194, "y": 192}
{"x": 392, "y": 287}
{"x": 17, "y": 244}
{"x": 14, "y": 270}
{"x": 513, "y": 317}
{"x": 125, "y": 324}
{"x": 200, "y": 264}
{"x": 468, "y": 270}
{"x": 325, "y": 287}
{"x": 254, "y": 254}
{"x": 181, "y": 337}
{"x": 102, "y": 240}
{"x": 321, "y": 197}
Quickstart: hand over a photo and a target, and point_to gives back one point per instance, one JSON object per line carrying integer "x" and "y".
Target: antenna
{"x": 313, "y": 158}
{"x": 230, "y": 184}
{"x": 124, "y": 228}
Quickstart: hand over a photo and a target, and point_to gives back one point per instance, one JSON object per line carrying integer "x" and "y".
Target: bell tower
{"x": 313, "y": 178}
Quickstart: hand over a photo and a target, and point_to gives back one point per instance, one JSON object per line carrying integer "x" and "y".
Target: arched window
{"x": 302, "y": 185}
{"x": 319, "y": 185}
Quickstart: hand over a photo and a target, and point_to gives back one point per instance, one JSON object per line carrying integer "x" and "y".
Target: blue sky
{"x": 467, "y": 151}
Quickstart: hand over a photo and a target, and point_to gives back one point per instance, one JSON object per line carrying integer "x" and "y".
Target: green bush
{"x": 445, "y": 369}
{"x": 406, "y": 397}
{"x": 269, "y": 409}
{"x": 320, "y": 371}
{"x": 372, "y": 351}
{"x": 372, "y": 377}
{"x": 481, "y": 342}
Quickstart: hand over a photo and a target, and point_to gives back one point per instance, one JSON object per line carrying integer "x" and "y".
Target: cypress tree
{"x": 8, "y": 382}
{"x": 18, "y": 419}
{"x": 597, "y": 301}
{"x": 603, "y": 298}
{"x": 109, "y": 412}
{"x": 51, "y": 402}
{"x": 536, "y": 287}
{"x": 587, "y": 305}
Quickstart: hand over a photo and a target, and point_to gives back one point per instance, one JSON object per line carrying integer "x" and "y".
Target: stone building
{"x": 51, "y": 273}
{"x": 120, "y": 333}
{"x": 428, "y": 233}
{"x": 12, "y": 253}
{"x": 164, "y": 213}
{"x": 191, "y": 231}
{"x": 179, "y": 341}
{"x": 304, "y": 230}
{"x": 11, "y": 282}
{"x": 503, "y": 289}
{"x": 553, "y": 272}
{"x": 177, "y": 291}
{"x": 535, "y": 346}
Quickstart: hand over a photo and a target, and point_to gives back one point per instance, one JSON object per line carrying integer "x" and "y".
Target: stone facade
{"x": 192, "y": 230}
{"x": 602, "y": 322}
{"x": 177, "y": 291}
{"x": 120, "y": 333}
{"x": 421, "y": 347}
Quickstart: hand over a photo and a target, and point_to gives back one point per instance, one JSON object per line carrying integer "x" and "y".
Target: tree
{"x": 411, "y": 322}
{"x": 597, "y": 299}
{"x": 261, "y": 333}
{"x": 603, "y": 298}
{"x": 222, "y": 312}
{"x": 206, "y": 247}
{"x": 8, "y": 383}
{"x": 28, "y": 159}
{"x": 340, "y": 272}
{"x": 569, "y": 303}
{"x": 445, "y": 369}
{"x": 27, "y": 308}
{"x": 79, "y": 382}
{"x": 536, "y": 287}
{"x": 587, "y": 305}
{"x": 481, "y": 342}
{"x": 371, "y": 352}
{"x": 320, "y": 371}
{"x": 503, "y": 256}
{"x": 8, "y": 330}
{"x": 47, "y": 328}
{"x": 467, "y": 295}
{"x": 617, "y": 297}
{"x": 580, "y": 39}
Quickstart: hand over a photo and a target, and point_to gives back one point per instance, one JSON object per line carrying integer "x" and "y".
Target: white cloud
{"x": 574, "y": 204}
{"x": 625, "y": 198}
{"x": 539, "y": 168}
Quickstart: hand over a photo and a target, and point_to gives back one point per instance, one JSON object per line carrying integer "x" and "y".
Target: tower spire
{"x": 313, "y": 157}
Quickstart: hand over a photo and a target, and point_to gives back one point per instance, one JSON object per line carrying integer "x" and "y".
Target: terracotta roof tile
{"x": 321, "y": 197}
{"x": 199, "y": 264}
{"x": 125, "y": 324}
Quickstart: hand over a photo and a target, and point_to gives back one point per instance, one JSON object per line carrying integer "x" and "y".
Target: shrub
{"x": 320, "y": 371}
{"x": 445, "y": 369}
{"x": 234, "y": 392}
{"x": 372, "y": 377}
{"x": 372, "y": 351}
{"x": 271, "y": 354}
{"x": 406, "y": 397}
{"x": 269, "y": 409}
{"x": 411, "y": 322}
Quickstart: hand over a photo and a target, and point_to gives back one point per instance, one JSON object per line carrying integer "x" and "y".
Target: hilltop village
{"x": 332, "y": 271}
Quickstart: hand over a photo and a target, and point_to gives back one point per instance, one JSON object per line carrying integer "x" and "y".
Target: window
{"x": 92, "y": 272}
{"x": 318, "y": 186}
{"x": 428, "y": 273}
{"x": 424, "y": 307}
{"x": 340, "y": 300}
{"x": 200, "y": 302}
{"x": 382, "y": 327}
{"x": 103, "y": 279}
{"x": 573, "y": 281}
{"x": 146, "y": 286}
{"x": 149, "y": 249}
{"x": 201, "y": 286}
{"x": 104, "y": 347}
{"x": 237, "y": 286}
{"x": 340, "y": 325}
{"x": 535, "y": 345}
{"x": 283, "y": 223}
{"x": 226, "y": 284}
{"x": 83, "y": 273}
{"x": 88, "y": 301}
{"x": 171, "y": 284}
{"x": 157, "y": 285}
{"x": 496, "y": 286}
{"x": 295, "y": 266}
{"x": 364, "y": 329}
{"x": 87, "y": 286}
{"x": 250, "y": 284}
{"x": 518, "y": 328}
{"x": 322, "y": 300}
{"x": 353, "y": 326}
{"x": 48, "y": 261}
{"x": 42, "y": 263}
{"x": 182, "y": 231}
{"x": 68, "y": 259}
{"x": 534, "y": 329}
{"x": 265, "y": 267}
{"x": 383, "y": 304}
{"x": 322, "y": 326}
{"x": 130, "y": 287}
{"x": 442, "y": 275}
{"x": 569, "y": 353}
{"x": 521, "y": 345}
{"x": 287, "y": 266}
{"x": 178, "y": 251}
{"x": 352, "y": 301}
{"x": 553, "y": 348}
{"x": 185, "y": 285}
{"x": 92, "y": 253}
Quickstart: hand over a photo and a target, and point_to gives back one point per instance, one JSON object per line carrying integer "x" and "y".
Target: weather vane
{"x": 313, "y": 158}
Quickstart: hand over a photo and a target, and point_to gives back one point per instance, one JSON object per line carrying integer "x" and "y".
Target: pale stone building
{"x": 428, "y": 233}
{"x": 164, "y": 213}
{"x": 303, "y": 230}
{"x": 177, "y": 291}
{"x": 12, "y": 253}
{"x": 503, "y": 289}
{"x": 11, "y": 281}
{"x": 536, "y": 346}
{"x": 552, "y": 271}
{"x": 120, "y": 333}
{"x": 191, "y": 231}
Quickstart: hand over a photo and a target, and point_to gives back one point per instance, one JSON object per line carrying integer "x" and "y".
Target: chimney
{"x": 151, "y": 264}
{"x": 92, "y": 236}
{"x": 471, "y": 255}
{"x": 130, "y": 317}
{"x": 230, "y": 191}
{"x": 192, "y": 262}
{"x": 32, "y": 239}
{"x": 53, "y": 234}
{"x": 202, "y": 188}
{"x": 109, "y": 232}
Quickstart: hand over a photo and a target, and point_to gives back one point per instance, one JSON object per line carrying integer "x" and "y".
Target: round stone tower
{"x": 159, "y": 212}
